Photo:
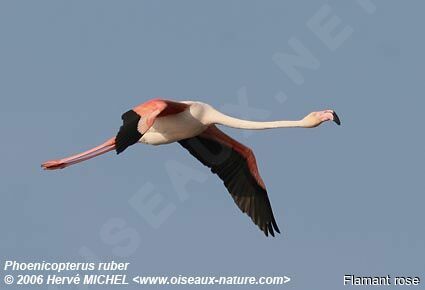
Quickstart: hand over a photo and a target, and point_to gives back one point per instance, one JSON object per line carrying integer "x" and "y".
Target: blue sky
{"x": 348, "y": 199}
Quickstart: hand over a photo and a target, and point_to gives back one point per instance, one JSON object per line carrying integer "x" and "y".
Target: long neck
{"x": 252, "y": 125}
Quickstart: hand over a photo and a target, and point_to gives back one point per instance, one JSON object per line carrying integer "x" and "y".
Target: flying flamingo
{"x": 193, "y": 125}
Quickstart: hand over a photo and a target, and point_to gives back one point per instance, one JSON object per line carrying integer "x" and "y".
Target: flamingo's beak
{"x": 336, "y": 118}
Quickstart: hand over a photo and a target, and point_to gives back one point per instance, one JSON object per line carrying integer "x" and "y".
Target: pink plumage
{"x": 193, "y": 125}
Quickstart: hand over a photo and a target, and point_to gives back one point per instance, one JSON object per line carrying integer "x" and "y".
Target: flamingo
{"x": 193, "y": 125}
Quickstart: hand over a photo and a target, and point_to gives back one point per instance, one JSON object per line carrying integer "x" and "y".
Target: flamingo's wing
{"x": 235, "y": 164}
{"x": 140, "y": 119}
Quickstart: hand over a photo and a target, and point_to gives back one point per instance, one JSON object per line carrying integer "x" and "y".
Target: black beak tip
{"x": 336, "y": 119}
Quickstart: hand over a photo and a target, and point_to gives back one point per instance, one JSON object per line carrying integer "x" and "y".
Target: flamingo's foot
{"x": 53, "y": 165}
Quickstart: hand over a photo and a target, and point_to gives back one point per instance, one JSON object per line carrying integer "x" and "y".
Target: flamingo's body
{"x": 192, "y": 124}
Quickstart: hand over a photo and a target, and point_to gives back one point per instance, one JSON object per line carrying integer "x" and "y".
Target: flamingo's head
{"x": 314, "y": 119}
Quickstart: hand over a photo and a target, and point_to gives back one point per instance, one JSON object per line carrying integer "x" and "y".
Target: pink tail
{"x": 62, "y": 163}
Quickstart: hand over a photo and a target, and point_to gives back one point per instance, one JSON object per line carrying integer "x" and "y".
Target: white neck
{"x": 225, "y": 120}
